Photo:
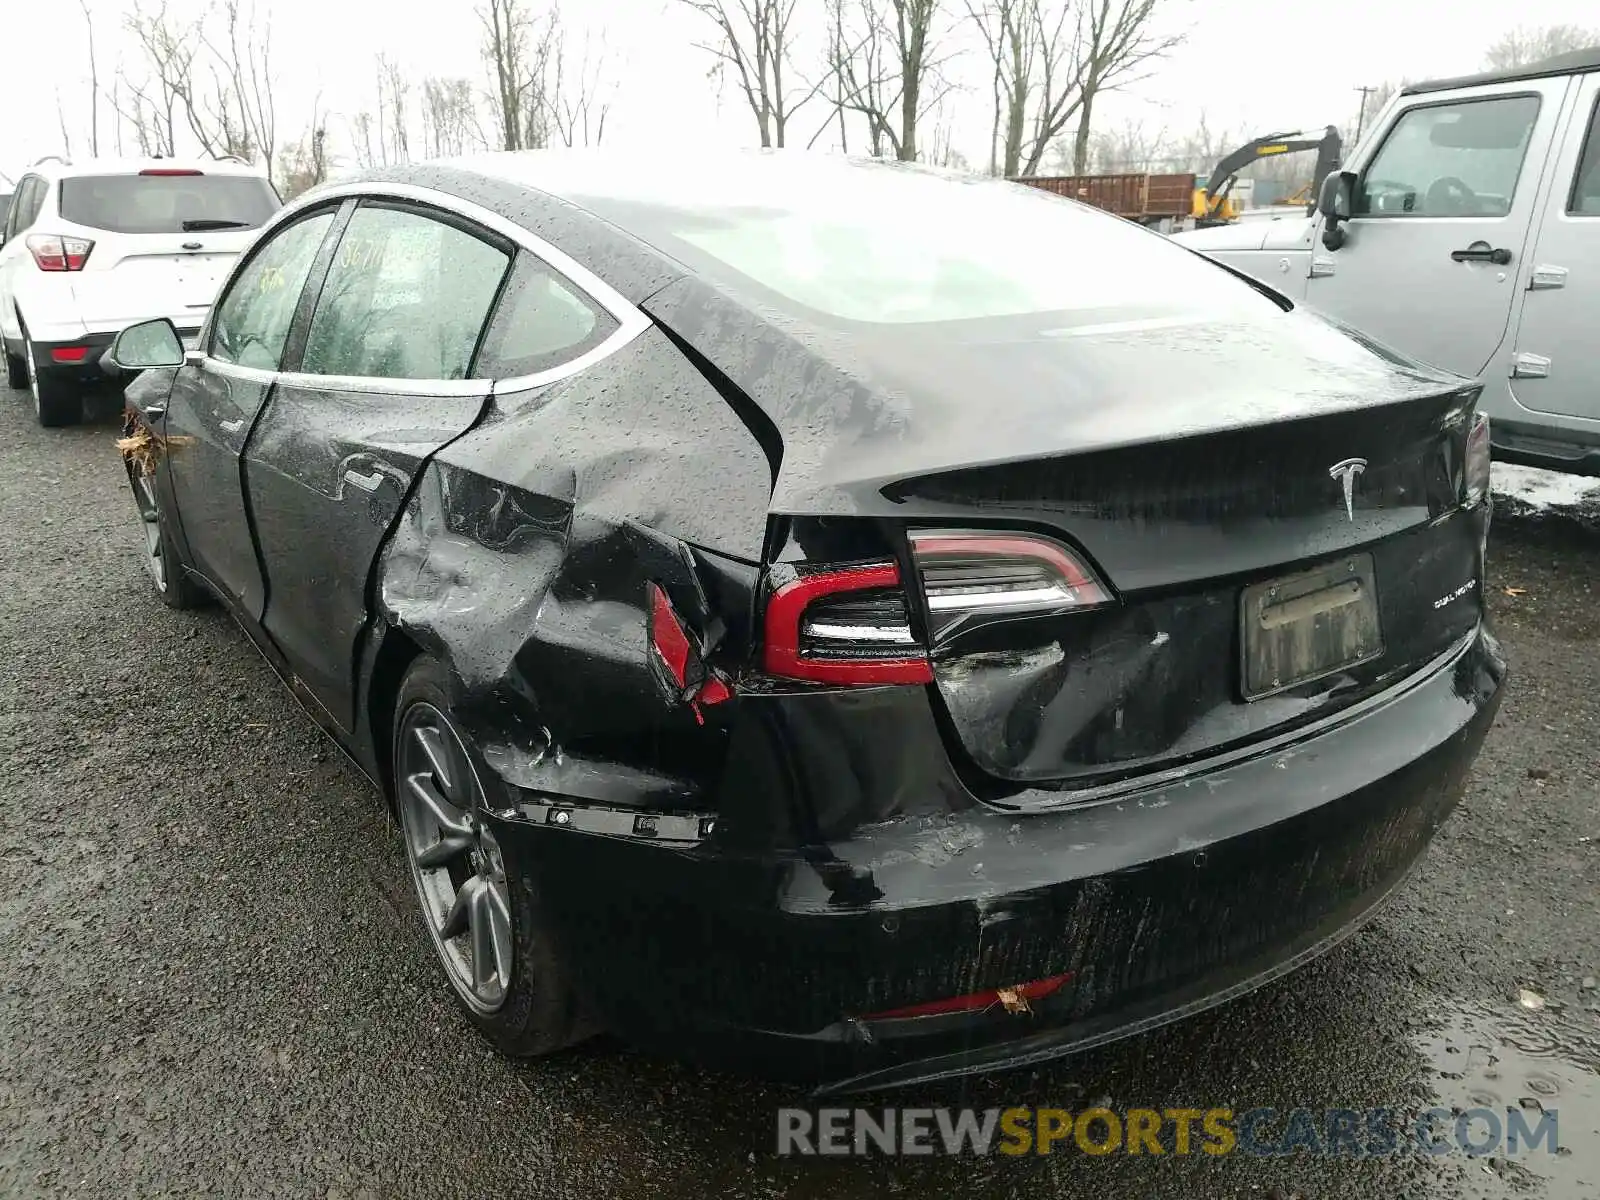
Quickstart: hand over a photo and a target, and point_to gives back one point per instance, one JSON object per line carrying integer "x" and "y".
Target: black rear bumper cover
{"x": 1158, "y": 904}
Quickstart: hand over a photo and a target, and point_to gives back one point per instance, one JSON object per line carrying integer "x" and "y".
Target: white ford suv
{"x": 93, "y": 247}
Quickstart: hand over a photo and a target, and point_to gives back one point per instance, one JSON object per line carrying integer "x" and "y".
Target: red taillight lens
{"x": 845, "y": 625}
{"x": 53, "y": 253}
{"x": 69, "y": 354}
{"x": 1475, "y": 474}
{"x": 970, "y": 575}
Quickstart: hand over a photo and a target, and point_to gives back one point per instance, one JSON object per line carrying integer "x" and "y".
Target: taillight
{"x": 972, "y": 575}
{"x": 844, "y": 625}
{"x": 1475, "y": 475}
{"x": 53, "y": 253}
{"x": 170, "y": 171}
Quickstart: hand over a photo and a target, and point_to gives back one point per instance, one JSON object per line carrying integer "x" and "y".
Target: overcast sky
{"x": 1252, "y": 66}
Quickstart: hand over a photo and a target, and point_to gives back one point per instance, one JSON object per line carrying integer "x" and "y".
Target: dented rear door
{"x": 382, "y": 383}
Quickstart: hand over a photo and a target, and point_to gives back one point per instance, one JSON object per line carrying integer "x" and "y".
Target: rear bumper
{"x": 74, "y": 359}
{"x": 1157, "y": 905}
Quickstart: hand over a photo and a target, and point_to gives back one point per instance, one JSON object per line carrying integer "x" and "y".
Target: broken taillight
{"x": 969, "y": 575}
{"x": 54, "y": 253}
{"x": 844, "y": 625}
{"x": 1475, "y": 475}
{"x": 678, "y": 662}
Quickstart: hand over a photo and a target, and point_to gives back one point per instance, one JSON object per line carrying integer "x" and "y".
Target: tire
{"x": 532, "y": 1008}
{"x": 162, "y": 562}
{"x": 55, "y": 402}
{"x": 16, "y": 372}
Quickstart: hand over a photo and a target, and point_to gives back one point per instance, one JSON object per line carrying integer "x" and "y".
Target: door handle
{"x": 1530, "y": 366}
{"x": 1482, "y": 252}
{"x": 233, "y": 426}
{"x": 367, "y": 483}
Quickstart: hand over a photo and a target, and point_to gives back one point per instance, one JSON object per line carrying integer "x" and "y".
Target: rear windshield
{"x": 875, "y": 244}
{"x": 162, "y": 203}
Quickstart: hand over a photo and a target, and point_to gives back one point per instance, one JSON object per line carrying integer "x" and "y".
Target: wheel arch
{"x": 396, "y": 651}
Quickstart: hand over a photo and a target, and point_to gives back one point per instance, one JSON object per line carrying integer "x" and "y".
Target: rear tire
{"x": 520, "y": 994}
{"x": 55, "y": 402}
{"x": 16, "y": 371}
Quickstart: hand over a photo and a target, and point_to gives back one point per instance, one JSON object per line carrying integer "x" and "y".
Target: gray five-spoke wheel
{"x": 456, "y": 862}
{"x": 144, "y": 495}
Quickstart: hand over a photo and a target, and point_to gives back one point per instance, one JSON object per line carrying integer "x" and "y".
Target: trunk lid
{"x": 1197, "y": 467}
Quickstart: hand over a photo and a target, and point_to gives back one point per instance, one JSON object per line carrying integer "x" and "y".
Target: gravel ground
{"x": 214, "y": 982}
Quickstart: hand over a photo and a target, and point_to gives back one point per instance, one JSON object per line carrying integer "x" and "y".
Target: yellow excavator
{"x": 1213, "y": 204}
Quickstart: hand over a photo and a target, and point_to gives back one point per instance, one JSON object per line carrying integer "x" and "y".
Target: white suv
{"x": 91, "y": 248}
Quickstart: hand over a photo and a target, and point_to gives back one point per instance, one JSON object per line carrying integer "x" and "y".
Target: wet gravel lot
{"x": 212, "y": 980}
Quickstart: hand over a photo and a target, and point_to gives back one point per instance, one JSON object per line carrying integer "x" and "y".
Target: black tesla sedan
{"x": 831, "y": 617}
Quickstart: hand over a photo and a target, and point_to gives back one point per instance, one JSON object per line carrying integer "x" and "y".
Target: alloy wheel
{"x": 456, "y": 863}
{"x": 144, "y": 497}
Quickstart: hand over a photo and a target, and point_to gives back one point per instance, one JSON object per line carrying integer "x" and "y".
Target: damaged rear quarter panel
{"x": 518, "y": 561}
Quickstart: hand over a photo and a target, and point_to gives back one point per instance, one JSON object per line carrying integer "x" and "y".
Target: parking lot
{"x": 214, "y": 980}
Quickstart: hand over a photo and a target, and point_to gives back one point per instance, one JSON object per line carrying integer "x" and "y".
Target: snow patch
{"x": 1543, "y": 489}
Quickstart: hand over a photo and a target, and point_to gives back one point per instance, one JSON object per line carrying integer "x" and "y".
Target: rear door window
{"x": 176, "y": 203}
{"x": 1450, "y": 160}
{"x": 406, "y": 297}
{"x": 1585, "y": 199}
{"x": 541, "y": 322}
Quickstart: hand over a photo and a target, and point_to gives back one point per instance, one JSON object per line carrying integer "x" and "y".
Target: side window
{"x": 24, "y": 205}
{"x": 1450, "y": 160}
{"x": 406, "y": 298}
{"x": 541, "y": 322}
{"x": 1585, "y": 198}
{"x": 253, "y": 319}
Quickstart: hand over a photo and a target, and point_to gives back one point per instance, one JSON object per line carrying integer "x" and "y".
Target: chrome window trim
{"x": 219, "y": 366}
{"x": 631, "y": 321}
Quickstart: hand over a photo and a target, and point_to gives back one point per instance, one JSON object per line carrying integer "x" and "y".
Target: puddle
{"x": 1537, "y": 1063}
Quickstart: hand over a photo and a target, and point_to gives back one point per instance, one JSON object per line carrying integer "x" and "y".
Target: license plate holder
{"x": 1303, "y": 627}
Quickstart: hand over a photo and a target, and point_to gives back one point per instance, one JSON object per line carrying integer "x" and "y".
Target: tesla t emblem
{"x": 1345, "y": 472}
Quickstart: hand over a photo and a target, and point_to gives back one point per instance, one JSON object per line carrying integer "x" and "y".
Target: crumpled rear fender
{"x": 522, "y": 561}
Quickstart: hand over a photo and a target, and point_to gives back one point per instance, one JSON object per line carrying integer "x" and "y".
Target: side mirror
{"x": 1336, "y": 201}
{"x": 147, "y": 345}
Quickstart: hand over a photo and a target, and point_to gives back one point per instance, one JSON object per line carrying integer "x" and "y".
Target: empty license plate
{"x": 1302, "y": 627}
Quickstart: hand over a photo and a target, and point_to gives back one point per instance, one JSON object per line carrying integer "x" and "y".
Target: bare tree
{"x": 244, "y": 113}
{"x": 1050, "y": 62}
{"x": 1009, "y": 31}
{"x": 94, "y": 83}
{"x": 578, "y": 98}
{"x": 394, "y": 103}
{"x": 888, "y": 66}
{"x": 304, "y": 164}
{"x": 61, "y": 119}
{"x": 218, "y": 82}
{"x": 1130, "y": 147}
{"x": 1117, "y": 42}
{"x": 449, "y": 117}
{"x": 361, "y": 138}
{"x": 518, "y": 49}
{"x": 1522, "y": 46}
{"x": 752, "y": 40}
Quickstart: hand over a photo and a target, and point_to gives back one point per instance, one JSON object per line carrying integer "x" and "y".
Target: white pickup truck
{"x": 1465, "y": 230}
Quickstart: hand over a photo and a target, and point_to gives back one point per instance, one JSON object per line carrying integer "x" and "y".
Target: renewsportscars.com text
{"x": 846, "y": 1132}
